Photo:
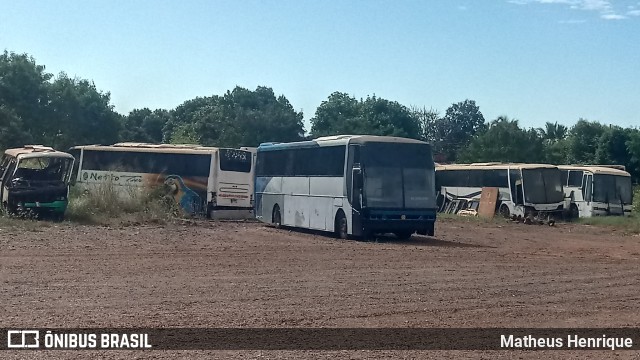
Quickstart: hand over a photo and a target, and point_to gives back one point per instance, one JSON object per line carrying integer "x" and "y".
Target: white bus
{"x": 216, "y": 182}
{"x": 597, "y": 190}
{"x": 352, "y": 185}
{"x": 523, "y": 189}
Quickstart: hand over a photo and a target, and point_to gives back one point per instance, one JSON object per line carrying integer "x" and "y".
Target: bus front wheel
{"x": 574, "y": 213}
{"x": 341, "y": 226}
{"x": 276, "y": 218}
{"x": 403, "y": 235}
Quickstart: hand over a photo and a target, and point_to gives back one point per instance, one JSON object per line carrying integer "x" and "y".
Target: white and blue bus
{"x": 351, "y": 185}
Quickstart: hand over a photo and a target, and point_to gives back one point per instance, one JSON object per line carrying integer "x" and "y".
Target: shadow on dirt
{"x": 388, "y": 239}
{"x": 418, "y": 240}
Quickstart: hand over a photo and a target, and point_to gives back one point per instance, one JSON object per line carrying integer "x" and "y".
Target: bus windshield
{"x": 44, "y": 169}
{"x": 398, "y": 175}
{"x": 612, "y": 188}
{"x": 542, "y": 186}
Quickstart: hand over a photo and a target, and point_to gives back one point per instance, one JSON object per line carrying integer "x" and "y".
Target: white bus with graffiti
{"x": 216, "y": 182}
{"x": 597, "y": 190}
{"x": 523, "y": 189}
{"x": 351, "y": 185}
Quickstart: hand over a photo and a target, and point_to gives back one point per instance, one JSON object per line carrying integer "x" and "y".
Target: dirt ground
{"x": 242, "y": 274}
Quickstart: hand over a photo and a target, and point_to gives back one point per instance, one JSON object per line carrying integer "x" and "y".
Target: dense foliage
{"x": 59, "y": 111}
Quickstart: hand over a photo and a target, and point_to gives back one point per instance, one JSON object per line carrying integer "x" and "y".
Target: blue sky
{"x": 533, "y": 60}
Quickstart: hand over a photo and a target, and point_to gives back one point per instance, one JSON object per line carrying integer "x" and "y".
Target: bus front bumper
{"x": 383, "y": 221}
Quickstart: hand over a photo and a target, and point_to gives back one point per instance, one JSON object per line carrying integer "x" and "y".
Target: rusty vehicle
{"x": 34, "y": 181}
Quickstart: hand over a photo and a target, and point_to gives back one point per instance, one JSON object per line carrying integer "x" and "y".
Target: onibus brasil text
{"x": 81, "y": 340}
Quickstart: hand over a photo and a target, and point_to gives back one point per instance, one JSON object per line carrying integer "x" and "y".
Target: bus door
{"x": 587, "y": 189}
{"x": 355, "y": 186}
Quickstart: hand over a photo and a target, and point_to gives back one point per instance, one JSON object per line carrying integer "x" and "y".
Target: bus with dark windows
{"x": 524, "y": 190}
{"x": 351, "y": 185}
{"x": 597, "y": 190}
{"x": 217, "y": 182}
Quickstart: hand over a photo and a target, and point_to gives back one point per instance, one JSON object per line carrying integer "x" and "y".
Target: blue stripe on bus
{"x": 295, "y": 145}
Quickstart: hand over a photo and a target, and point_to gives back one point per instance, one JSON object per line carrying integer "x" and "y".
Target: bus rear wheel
{"x": 276, "y": 218}
{"x": 504, "y": 211}
{"x": 341, "y": 227}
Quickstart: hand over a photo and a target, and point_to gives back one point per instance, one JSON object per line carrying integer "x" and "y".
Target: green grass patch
{"x": 629, "y": 224}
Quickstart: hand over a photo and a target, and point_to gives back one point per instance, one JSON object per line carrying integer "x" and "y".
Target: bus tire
{"x": 403, "y": 235}
{"x": 504, "y": 211}
{"x": 276, "y": 217}
{"x": 574, "y": 213}
{"x": 341, "y": 226}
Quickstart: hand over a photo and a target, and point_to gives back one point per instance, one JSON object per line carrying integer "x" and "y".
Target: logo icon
{"x": 21, "y": 339}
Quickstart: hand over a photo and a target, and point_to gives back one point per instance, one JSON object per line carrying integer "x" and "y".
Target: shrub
{"x": 107, "y": 203}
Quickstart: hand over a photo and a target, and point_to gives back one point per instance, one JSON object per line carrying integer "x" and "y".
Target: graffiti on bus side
{"x": 116, "y": 178}
{"x": 188, "y": 192}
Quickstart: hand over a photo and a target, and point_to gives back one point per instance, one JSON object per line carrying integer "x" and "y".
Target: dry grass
{"x": 107, "y": 204}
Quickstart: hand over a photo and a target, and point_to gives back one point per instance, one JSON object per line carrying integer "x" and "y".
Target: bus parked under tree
{"x": 523, "y": 189}
{"x": 352, "y": 185}
{"x": 217, "y": 182}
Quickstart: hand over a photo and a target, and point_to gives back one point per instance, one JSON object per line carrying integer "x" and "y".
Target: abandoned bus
{"x": 35, "y": 181}
{"x": 352, "y": 185}
{"x": 523, "y": 189}
{"x": 597, "y": 190}
{"x": 210, "y": 181}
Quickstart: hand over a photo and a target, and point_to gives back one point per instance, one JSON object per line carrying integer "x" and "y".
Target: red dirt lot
{"x": 243, "y": 274}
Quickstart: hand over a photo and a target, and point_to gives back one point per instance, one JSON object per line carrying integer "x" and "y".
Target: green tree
{"x": 240, "y": 117}
{"x": 633, "y": 146}
{"x": 12, "y": 132}
{"x": 583, "y": 141}
{"x": 428, "y": 120}
{"x": 555, "y": 142}
{"x": 80, "y": 114}
{"x": 184, "y": 134}
{"x": 24, "y": 93}
{"x": 504, "y": 141}
{"x": 612, "y": 147}
{"x": 144, "y": 125}
{"x": 554, "y": 132}
{"x": 455, "y": 130}
{"x": 343, "y": 114}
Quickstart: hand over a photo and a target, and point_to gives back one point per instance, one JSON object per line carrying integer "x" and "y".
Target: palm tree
{"x": 554, "y": 131}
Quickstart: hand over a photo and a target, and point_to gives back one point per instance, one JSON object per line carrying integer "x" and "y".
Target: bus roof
{"x": 32, "y": 151}
{"x": 595, "y": 169}
{"x": 161, "y": 148}
{"x": 340, "y": 140}
{"x": 494, "y": 166}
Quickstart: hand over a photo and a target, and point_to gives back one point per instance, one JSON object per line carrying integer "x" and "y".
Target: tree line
{"x": 60, "y": 111}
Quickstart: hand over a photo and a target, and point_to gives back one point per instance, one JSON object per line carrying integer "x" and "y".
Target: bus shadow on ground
{"x": 415, "y": 240}
{"x": 418, "y": 240}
